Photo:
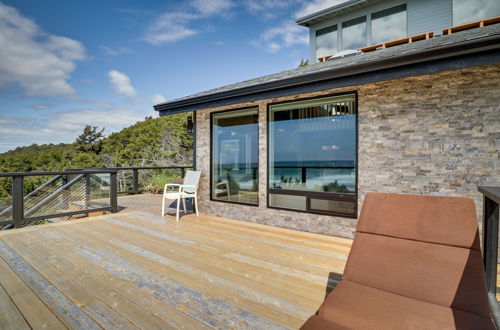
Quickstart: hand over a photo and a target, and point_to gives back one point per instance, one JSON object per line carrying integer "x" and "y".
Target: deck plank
{"x": 10, "y": 316}
{"x": 176, "y": 318}
{"x": 101, "y": 313}
{"x": 203, "y": 259}
{"x": 222, "y": 240}
{"x": 217, "y": 289}
{"x": 146, "y": 271}
{"x": 36, "y": 313}
{"x": 123, "y": 305}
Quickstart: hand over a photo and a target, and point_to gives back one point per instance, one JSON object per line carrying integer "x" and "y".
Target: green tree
{"x": 90, "y": 140}
{"x": 303, "y": 63}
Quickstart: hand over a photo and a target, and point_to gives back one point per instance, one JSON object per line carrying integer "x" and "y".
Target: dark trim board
{"x": 450, "y": 58}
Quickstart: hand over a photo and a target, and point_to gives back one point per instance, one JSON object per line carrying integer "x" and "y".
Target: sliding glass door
{"x": 235, "y": 159}
{"x": 312, "y": 155}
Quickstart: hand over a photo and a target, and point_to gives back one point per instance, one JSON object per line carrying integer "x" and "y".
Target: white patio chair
{"x": 188, "y": 189}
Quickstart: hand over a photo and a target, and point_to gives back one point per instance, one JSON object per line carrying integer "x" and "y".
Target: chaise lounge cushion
{"x": 415, "y": 263}
{"x": 356, "y": 306}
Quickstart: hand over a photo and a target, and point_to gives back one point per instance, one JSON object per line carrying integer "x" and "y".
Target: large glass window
{"x": 354, "y": 33}
{"x": 389, "y": 24}
{"x": 235, "y": 159}
{"x": 312, "y": 155}
{"x": 326, "y": 41}
{"x": 466, "y": 11}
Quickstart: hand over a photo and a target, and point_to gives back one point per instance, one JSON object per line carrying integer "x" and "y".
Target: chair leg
{"x": 184, "y": 205}
{"x": 178, "y": 206}
{"x": 196, "y": 204}
{"x": 163, "y": 206}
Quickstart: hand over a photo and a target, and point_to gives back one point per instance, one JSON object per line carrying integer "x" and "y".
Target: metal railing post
{"x": 113, "y": 193}
{"x": 87, "y": 190}
{"x": 135, "y": 173}
{"x": 183, "y": 172}
{"x": 65, "y": 193}
{"x": 18, "y": 200}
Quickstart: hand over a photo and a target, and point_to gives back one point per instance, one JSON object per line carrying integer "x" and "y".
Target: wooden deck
{"x": 135, "y": 269}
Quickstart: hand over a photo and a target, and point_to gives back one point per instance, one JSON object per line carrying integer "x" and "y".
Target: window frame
{"x": 212, "y": 114}
{"x": 314, "y": 194}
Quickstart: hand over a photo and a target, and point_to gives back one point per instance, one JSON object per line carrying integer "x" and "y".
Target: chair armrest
{"x": 172, "y": 185}
{"x": 188, "y": 186}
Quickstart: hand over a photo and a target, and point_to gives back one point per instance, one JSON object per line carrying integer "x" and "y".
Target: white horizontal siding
{"x": 429, "y": 16}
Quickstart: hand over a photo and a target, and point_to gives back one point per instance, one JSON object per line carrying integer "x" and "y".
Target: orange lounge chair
{"x": 415, "y": 263}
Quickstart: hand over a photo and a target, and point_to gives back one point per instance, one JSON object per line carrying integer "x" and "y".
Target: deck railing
{"x": 73, "y": 192}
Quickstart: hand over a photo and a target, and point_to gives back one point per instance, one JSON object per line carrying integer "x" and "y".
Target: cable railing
{"x": 76, "y": 192}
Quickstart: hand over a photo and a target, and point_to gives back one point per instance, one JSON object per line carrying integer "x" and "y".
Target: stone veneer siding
{"x": 435, "y": 134}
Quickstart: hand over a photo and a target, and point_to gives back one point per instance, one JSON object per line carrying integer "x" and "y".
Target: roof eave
{"x": 457, "y": 49}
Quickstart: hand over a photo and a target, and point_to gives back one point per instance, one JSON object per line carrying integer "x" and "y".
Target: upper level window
{"x": 354, "y": 33}
{"x": 389, "y": 24}
{"x": 312, "y": 155}
{"x": 326, "y": 41}
{"x": 466, "y": 11}
{"x": 235, "y": 156}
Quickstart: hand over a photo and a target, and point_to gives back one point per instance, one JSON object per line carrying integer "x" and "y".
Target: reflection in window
{"x": 235, "y": 146}
{"x": 466, "y": 11}
{"x": 326, "y": 41}
{"x": 354, "y": 33}
{"x": 312, "y": 155}
{"x": 389, "y": 24}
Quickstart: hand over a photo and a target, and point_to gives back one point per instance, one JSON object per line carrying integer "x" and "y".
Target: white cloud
{"x": 212, "y": 7}
{"x": 40, "y": 106}
{"x": 286, "y": 35}
{"x": 176, "y": 25}
{"x": 121, "y": 83}
{"x": 317, "y": 5}
{"x": 115, "y": 51}
{"x": 170, "y": 27}
{"x": 158, "y": 98}
{"x": 63, "y": 127}
{"x": 39, "y": 62}
{"x": 258, "y": 6}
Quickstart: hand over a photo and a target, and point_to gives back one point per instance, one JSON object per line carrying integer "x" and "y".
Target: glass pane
{"x": 389, "y": 24}
{"x": 465, "y": 11}
{"x": 235, "y": 146}
{"x": 333, "y": 206}
{"x": 288, "y": 201}
{"x": 354, "y": 33}
{"x": 312, "y": 145}
{"x": 326, "y": 41}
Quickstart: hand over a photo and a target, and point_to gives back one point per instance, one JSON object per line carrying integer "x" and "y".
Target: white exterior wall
{"x": 422, "y": 16}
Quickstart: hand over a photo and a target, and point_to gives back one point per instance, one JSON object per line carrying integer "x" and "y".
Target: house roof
{"x": 461, "y": 49}
{"x": 333, "y": 11}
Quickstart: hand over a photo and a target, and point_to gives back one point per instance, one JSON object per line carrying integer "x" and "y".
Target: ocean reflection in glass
{"x": 235, "y": 160}
{"x": 312, "y": 148}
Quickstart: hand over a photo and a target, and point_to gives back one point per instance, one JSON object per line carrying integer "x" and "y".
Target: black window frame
{"x": 315, "y": 194}
{"x": 212, "y": 114}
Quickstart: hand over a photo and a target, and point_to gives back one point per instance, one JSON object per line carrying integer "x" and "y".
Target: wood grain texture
{"x": 135, "y": 269}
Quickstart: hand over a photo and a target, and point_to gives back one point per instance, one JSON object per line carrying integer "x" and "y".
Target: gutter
{"x": 304, "y": 21}
{"x": 454, "y": 50}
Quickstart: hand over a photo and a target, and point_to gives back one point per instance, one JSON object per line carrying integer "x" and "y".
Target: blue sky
{"x": 65, "y": 64}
